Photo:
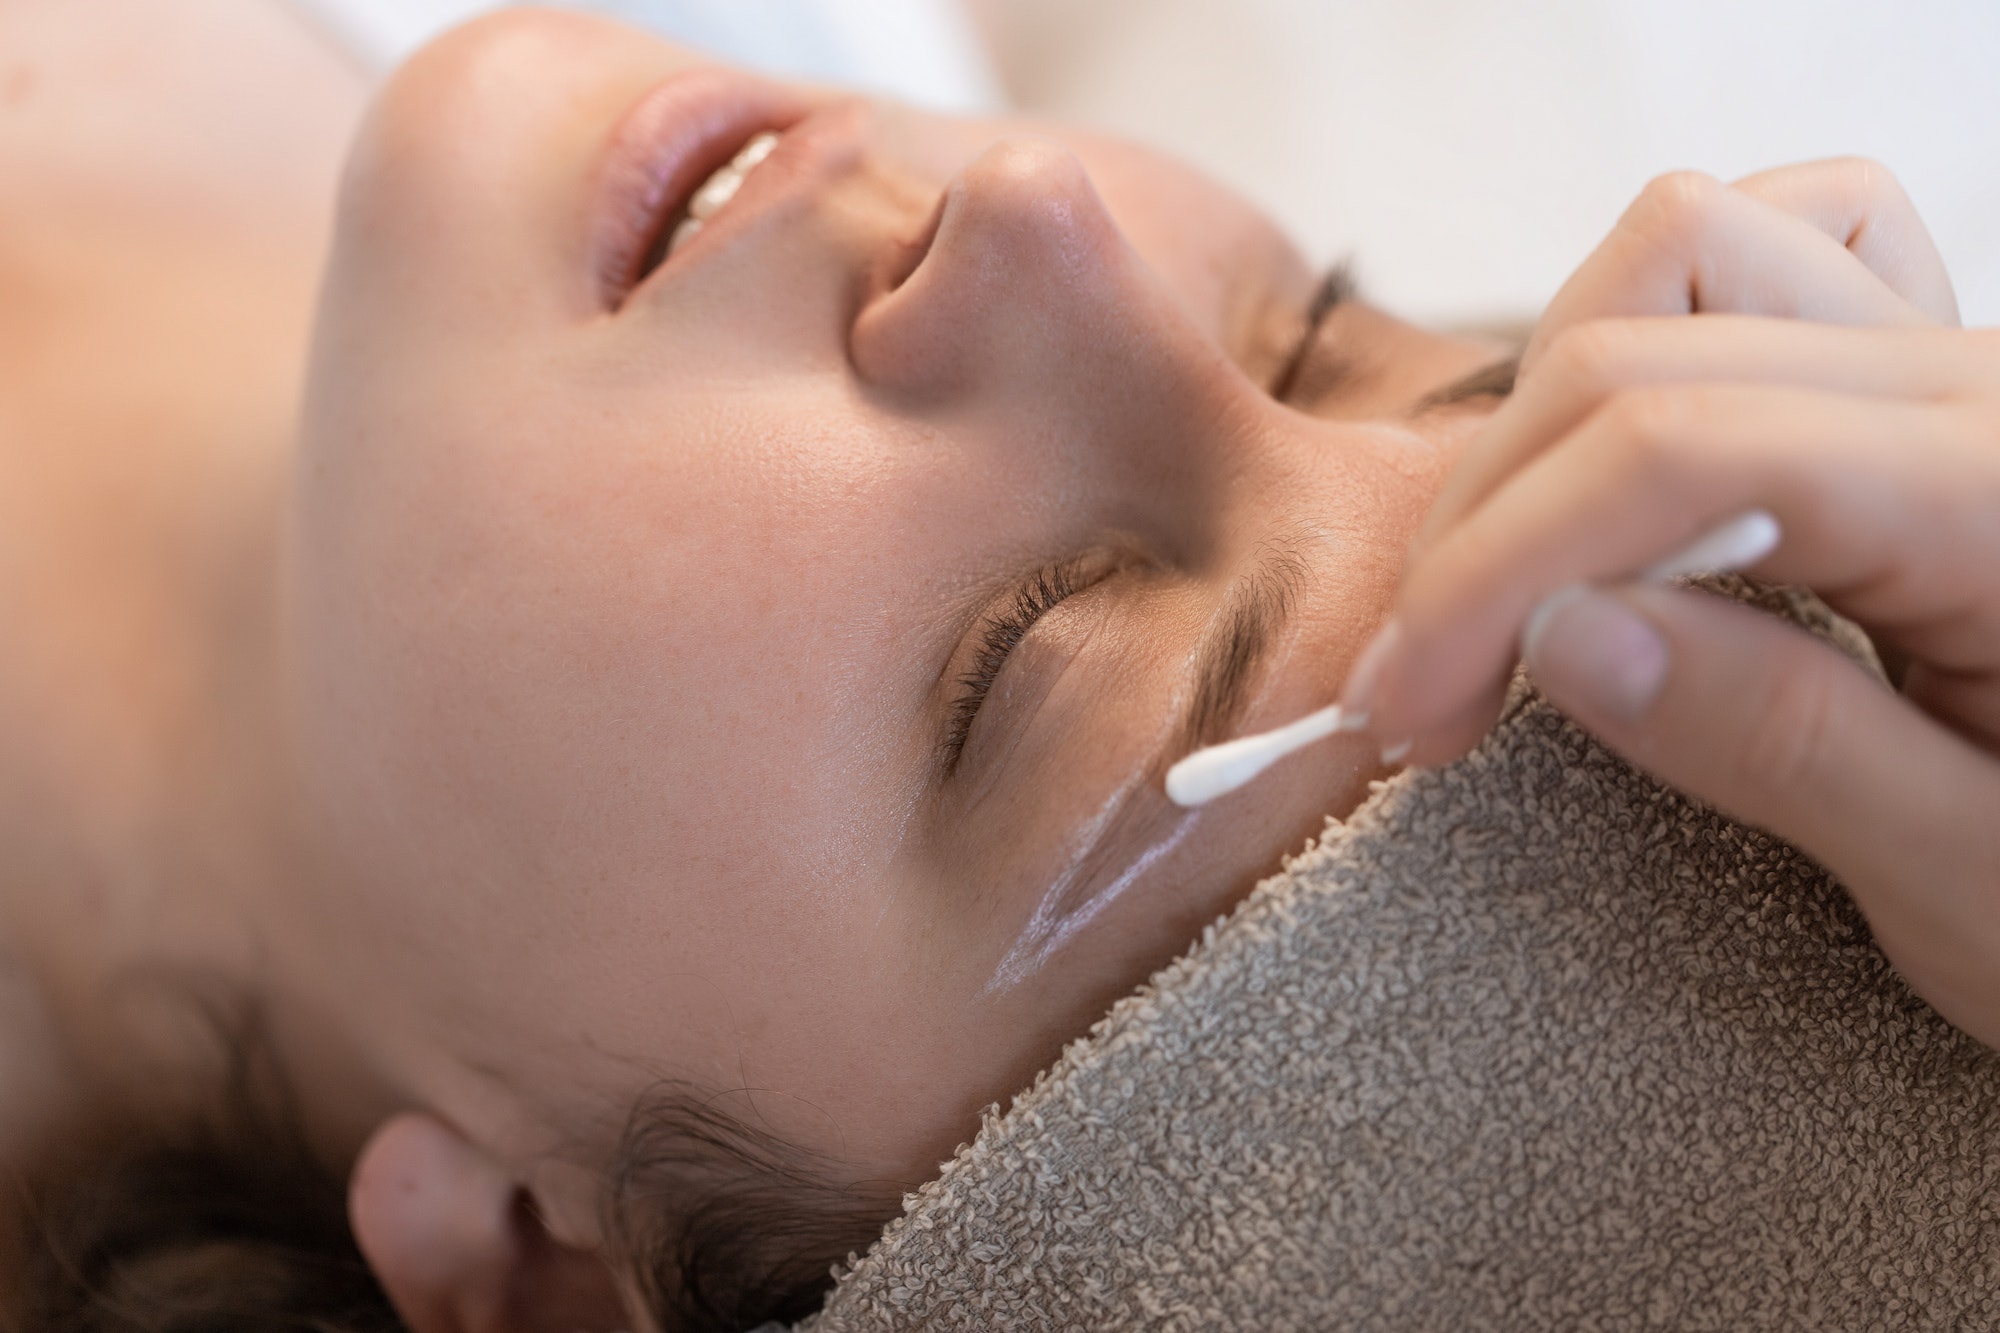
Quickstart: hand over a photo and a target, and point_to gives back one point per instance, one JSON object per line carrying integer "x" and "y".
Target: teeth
{"x": 684, "y": 231}
{"x": 720, "y": 188}
{"x": 716, "y": 191}
{"x": 755, "y": 151}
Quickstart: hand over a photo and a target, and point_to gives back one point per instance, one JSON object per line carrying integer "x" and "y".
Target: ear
{"x": 457, "y": 1244}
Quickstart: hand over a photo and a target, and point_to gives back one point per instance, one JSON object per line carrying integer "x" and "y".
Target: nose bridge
{"x": 1029, "y": 301}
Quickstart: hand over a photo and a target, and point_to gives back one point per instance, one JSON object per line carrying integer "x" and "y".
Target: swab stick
{"x": 1217, "y": 770}
{"x": 1220, "y": 769}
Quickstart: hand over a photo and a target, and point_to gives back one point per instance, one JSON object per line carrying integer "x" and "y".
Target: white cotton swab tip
{"x": 1737, "y": 544}
{"x": 1221, "y": 769}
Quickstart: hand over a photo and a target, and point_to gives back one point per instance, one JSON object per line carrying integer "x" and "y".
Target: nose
{"x": 1030, "y": 313}
{"x": 1025, "y": 273}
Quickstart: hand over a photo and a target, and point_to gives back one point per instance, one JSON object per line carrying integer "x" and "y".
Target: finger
{"x": 1886, "y": 509}
{"x": 1452, "y": 738}
{"x": 1590, "y": 362}
{"x": 1860, "y": 203}
{"x": 1966, "y": 701}
{"x": 1445, "y": 738}
{"x": 1783, "y": 732}
{"x": 1691, "y": 244}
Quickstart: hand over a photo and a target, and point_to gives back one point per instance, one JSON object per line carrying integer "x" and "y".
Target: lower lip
{"x": 674, "y": 138}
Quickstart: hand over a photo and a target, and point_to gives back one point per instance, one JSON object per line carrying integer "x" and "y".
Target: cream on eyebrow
{"x": 1061, "y": 913}
{"x": 1055, "y": 921}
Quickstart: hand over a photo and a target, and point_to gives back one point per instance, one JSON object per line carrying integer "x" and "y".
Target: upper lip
{"x": 670, "y": 141}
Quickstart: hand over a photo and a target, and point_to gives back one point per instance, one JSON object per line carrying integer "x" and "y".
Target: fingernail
{"x": 1590, "y": 648}
{"x": 1364, "y": 678}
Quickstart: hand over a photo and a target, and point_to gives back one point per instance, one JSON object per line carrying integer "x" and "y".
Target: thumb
{"x": 1780, "y": 730}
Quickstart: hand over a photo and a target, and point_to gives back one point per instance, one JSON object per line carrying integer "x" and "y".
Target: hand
{"x": 1837, "y": 393}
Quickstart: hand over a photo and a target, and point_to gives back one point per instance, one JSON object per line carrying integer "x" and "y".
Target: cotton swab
{"x": 1737, "y": 544}
{"x": 1217, "y": 770}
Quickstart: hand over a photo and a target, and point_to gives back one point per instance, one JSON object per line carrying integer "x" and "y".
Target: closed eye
{"x": 1049, "y": 588}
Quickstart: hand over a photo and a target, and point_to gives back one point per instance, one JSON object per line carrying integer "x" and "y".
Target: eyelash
{"x": 1334, "y": 291}
{"x": 1050, "y": 588}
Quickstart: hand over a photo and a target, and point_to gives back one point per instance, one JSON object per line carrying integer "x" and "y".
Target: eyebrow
{"x": 1259, "y": 605}
{"x": 1490, "y": 381}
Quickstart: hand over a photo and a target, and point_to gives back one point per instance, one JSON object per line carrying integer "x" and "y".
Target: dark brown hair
{"x": 727, "y": 1225}
{"x": 227, "y": 1221}
{"x": 222, "y": 1220}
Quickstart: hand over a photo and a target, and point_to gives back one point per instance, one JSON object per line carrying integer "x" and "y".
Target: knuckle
{"x": 1647, "y": 426}
{"x": 1866, "y": 178}
{"x": 1596, "y": 356}
{"x": 1679, "y": 205}
{"x": 1972, "y": 432}
{"x": 1981, "y": 357}
{"x": 1788, "y": 738}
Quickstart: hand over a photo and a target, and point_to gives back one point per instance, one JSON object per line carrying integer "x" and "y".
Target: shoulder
{"x": 135, "y": 114}
{"x": 167, "y": 177}
{"x": 143, "y": 145}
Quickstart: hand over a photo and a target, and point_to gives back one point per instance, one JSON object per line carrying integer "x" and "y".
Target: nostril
{"x": 1014, "y": 255}
{"x": 901, "y": 259}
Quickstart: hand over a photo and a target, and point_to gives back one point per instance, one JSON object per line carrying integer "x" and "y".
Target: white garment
{"x": 922, "y": 51}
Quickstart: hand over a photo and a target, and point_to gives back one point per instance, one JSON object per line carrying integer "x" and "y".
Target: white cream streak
{"x": 1053, "y": 925}
{"x": 1218, "y": 770}
{"x": 1055, "y": 920}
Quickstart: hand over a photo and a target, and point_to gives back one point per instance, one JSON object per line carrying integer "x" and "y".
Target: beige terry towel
{"x": 1529, "y": 1043}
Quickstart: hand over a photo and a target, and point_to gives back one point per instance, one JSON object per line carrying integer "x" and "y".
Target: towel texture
{"x": 1529, "y": 1043}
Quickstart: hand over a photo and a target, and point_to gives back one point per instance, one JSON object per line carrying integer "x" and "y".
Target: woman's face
{"x": 760, "y": 670}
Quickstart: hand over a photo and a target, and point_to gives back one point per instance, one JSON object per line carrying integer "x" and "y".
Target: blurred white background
{"x": 1468, "y": 154}
{"x": 926, "y": 51}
